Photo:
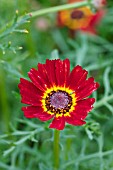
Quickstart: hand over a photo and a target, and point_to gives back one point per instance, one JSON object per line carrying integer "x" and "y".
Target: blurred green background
{"x": 27, "y": 144}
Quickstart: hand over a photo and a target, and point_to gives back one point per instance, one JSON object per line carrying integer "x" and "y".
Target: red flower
{"x": 55, "y": 92}
{"x": 75, "y": 19}
{"x": 82, "y": 18}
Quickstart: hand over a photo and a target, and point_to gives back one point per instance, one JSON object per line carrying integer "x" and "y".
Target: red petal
{"x": 54, "y": 72}
{"x": 44, "y": 74}
{"x": 59, "y": 20}
{"x": 36, "y": 112}
{"x": 38, "y": 79}
{"x": 95, "y": 19}
{"x": 62, "y": 71}
{"x": 50, "y": 68}
{"x": 77, "y": 77}
{"x": 73, "y": 121}
{"x": 83, "y": 107}
{"x": 86, "y": 89}
{"x": 66, "y": 67}
{"x": 29, "y": 93}
{"x": 58, "y": 123}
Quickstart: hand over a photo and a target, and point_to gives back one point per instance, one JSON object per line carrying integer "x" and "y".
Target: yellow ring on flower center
{"x": 51, "y": 91}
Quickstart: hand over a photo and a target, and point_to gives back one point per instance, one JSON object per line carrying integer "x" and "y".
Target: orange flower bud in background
{"x": 82, "y": 18}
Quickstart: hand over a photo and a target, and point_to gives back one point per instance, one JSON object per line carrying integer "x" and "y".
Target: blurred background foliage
{"x": 27, "y": 144}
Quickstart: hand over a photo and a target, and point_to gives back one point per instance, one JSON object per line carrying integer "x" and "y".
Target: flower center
{"x": 58, "y": 102}
{"x": 77, "y": 14}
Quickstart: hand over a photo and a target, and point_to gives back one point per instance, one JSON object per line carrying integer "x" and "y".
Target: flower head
{"x": 75, "y": 18}
{"x": 56, "y": 93}
{"x": 82, "y": 18}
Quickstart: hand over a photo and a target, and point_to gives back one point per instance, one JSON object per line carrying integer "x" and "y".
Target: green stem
{"x": 59, "y": 8}
{"x": 56, "y": 149}
{"x": 102, "y": 101}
